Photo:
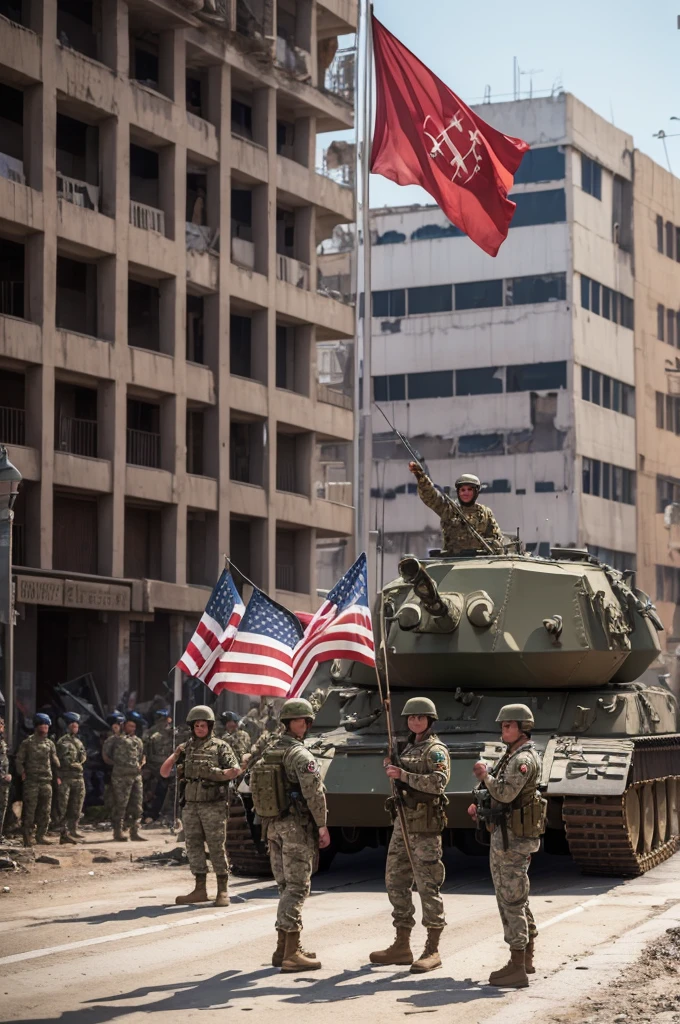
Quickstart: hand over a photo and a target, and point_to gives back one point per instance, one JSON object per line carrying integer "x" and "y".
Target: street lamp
{"x": 10, "y": 478}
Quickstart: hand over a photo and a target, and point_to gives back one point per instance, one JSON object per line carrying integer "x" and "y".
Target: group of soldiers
{"x": 289, "y": 798}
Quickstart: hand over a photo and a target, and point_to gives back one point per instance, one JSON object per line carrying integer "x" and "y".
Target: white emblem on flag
{"x": 445, "y": 151}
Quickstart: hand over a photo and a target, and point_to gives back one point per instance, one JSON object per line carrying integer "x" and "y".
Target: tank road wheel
{"x": 246, "y": 856}
{"x": 624, "y": 835}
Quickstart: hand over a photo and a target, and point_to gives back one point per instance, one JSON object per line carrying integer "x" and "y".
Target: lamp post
{"x": 10, "y": 478}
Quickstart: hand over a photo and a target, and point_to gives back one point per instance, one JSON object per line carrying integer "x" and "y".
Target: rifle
{"x": 386, "y": 700}
{"x": 418, "y": 461}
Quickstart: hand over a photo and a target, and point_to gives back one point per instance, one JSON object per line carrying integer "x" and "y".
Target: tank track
{"x": 628, "y": 834}
{"x": 245, "y": 855}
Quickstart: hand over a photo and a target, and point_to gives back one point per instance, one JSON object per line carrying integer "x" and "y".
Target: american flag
{"x": 341, "y": 628}
{"x": 260, "y": 660}
{"x": 215, "y": 632}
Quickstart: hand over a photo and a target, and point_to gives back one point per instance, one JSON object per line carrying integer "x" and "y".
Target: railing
{"x": 143, "y": 448}
{"x": 79, "y": 437}
{"x": 292, "y": 271}
{"x": 285, "y": 577}
{"x": 80, "y": 193}
{"x": 339, "y": 491}
{"x": 339, "y": 75}
{"x": 12, "y": 169}
{"x": 12, "y": 298}
{"x": 12, "y": 426}
{"x": 331, "y": 396}
{"x": 336, "y": 286}
{"x": 148, "y": 218}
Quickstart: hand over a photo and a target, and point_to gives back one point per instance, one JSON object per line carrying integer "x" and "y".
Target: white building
{"x": 519, "y": 368}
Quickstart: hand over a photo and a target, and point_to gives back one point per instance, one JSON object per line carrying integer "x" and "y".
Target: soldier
{"x": 272, "y": 730}
{"x": 36, "y": 759}
{"x": 456, "y": 536}
{"x": 421, "y": 780}
{"x": 289, "y": 797}
{"x": 516, "y": 823}
{"x": 158, "y": 746}
{"x": 207, "y": 764}
{"x": 71, "y": 796}
{"x": 237, "y": 738}
{"x": 126, "y": 754}
{"x": 5, "y": 777}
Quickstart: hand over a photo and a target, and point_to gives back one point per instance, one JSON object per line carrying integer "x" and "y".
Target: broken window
{"x": 544, "y": 164}
{"x": 659, "y": 233}
{"x": 436, "y": 298}
{"x": 539, "y": 288}
{"x": 389, "y": 303}
{"x": 390, "y": 238}
{"x": 548, "y": 207}
{"x": 428, "y": 231}
{"x": 485, "y": 380}
{"x": 435, "y": 384}
{"x": 391, "y": 388}
{"x": 591, "y": 177}
{"x": 479, "y": 294}
{"x": 536, "y": 376}
{"x": 481, "y": 444}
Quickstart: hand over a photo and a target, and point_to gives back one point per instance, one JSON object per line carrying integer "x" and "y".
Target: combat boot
{"x": 43, "y": 841}
{"x": 76, "y": 834}
{"x": 529, "y": 957}
{"x": 65, "y": 838}
{"x": 295, "y": 958}
{"x": 277, "y": 955}
{"x": 136, "y": 835}
{"x": 398, "y": 953}
{"x": 429, "y": 959}
{"x": 119, "y": 836}
{"x": 222, "y": 898}
{"x": 28, "y": 839}
{"x": 199, "y": 893}
{"x": 514, "y": 974}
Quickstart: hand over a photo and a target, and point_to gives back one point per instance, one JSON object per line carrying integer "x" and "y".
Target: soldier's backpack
{"x": 268, "y": 785}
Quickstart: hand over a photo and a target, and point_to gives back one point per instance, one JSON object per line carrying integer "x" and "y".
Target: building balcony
{"x": 86, "y": 80}
{"x": 12, "y": 426}
{"x": 250, "y": 286}
{"x": 201, "y": 137}
{"x": 12, "y": 169}
{"x": 247, "y": 499}
{"x": 249, "y": 159}
{"x": 331, "y": 396}
{"x": 333, "y": 319}
{"x": 20, "y": 339}
{"x": 292, "y": 271}
{"x": 90, "y": 230}
{"x": 202, "y": 492}
{"x": 82, "y": 473}
{"x": 243, "y": 253}
{"x": 20, "y": 50}
{"x": 27, "y": 461}
{"x": 143, "y": 449}
{"x": 316, "y": 187}
{"x": 80, "y": 193}
{"x": 77, "y": 436}
{"x": 148, "y": 218}
{"x": 19, "y": 203}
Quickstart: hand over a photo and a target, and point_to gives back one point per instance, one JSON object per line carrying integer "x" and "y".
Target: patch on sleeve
{"x": 523, "y": 768}
{"x": 438, "y": 756}
{"x": 311, "y": 767}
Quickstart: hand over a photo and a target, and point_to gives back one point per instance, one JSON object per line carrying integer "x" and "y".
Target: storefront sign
{"x": 39, "y": 590}
{"x": 105, "y": 597}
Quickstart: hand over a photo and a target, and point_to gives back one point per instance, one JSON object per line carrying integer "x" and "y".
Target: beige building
{"x": 657, "y": 377}
{"x": 160, "y": 311}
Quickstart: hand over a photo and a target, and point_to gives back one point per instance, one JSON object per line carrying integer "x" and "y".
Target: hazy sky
{"x": 620, "y": 57}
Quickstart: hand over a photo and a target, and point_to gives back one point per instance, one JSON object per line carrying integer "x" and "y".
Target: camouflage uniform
{"x": 204, "y": 816}
{"x": 239, "y": 741}
{"x": 158, "y": 746}
{"x": 509, "y": 868}
{"x": 127, "y": 754}
{"x": 71, "y": 795}
{"x": 273, "y": 731}
{"x": 455, "y": 535}
{"x": 4, "y": 786}
{"x": 293, "y": 836}
{"x": 37, "y": 756}
{"x": 428, "y": 770}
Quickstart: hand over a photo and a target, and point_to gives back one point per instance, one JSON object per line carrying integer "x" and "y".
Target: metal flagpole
{"x": 365, "y": 430}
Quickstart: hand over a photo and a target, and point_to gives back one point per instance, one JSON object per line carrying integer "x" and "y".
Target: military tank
{"x": 569, "y": 636}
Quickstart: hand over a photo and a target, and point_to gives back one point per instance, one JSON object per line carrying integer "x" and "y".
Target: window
{"x": 488, "y": 380}
{"x": 390, "y": 389}
{"x": 667, "y": 491}
{"x": 627, "y": 312}
{"x": 595, "y": 290}
{"x": 660, "y": 322}
{"x": 668, "y": 583}
{"x": 585, "y": 383}
{"x": 606, "y": 391}
{"x": 670, "y": 240}
{"x": 389, "y": 303}
{"x": 585, "y": 291}
{"x": 428, "y": 231}
{"x": 479, "y": 294}
{"x": 659, "y": 234}
{"x": 436, "y": 298}
{"x": 606, "y": 303}
{"x": 436, "y": 384}
{"x": 481, "y": 444}
{"x": 596, "y": 477}
{"x": 670, "y": 326}
{"x": 547, "y": 207}
{"x": 616, "y": 395}
{"x": 596, "y": 388}
{"x": 544, "y": 486}
{"x": 616, "y": 307}
{"x": 390, "y": 238}
{"x": 670, "y": 412}
{"x": 591, "y": 177}
{"x": 545, "y": 164}
{"x": 536, "y": 377}
{"x": 660, "y": 410}
{"x": 606, "y": 480}
{"x": 677, "y": 244}
{"x": 501, "y": 486}
{"x": 545, "y": 288}
{"x": 587, "y": 470}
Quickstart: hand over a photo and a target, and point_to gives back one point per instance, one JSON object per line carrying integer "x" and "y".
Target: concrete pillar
{"x": 118, "y": 659}
{"x": 172, "y": 65}
{"x": 115, "y": 45}
{"x": 167, "y": 178}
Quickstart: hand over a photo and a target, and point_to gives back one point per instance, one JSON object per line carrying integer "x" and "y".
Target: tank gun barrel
{"x": 424, "y": 587}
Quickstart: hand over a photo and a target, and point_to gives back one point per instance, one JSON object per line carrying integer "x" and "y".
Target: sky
{"x": 620, "y": 57}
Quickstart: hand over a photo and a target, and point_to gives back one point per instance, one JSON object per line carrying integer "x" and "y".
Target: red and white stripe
{"x": 209, "y": 642}
{"x": 348, "y": 634}
{"x": 254, "y": 664}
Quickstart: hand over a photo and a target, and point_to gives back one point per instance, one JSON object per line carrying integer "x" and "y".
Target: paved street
{"x": 113, "y": 947}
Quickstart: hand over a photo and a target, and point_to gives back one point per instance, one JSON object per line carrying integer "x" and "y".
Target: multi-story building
{"x": 520, "y": 368}
{"x": 160, "y": 211}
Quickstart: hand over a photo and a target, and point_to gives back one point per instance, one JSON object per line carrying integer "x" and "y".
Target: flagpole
{"x": 365, "y": 424}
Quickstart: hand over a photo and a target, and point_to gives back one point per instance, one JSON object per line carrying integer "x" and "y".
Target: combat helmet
{"x": 230, "y": 716}
{"x": 470, "y": 479}
{"x": 71, "y": 716}
{"x": 41, "y": 719}
{"x": 201, "y": 713}
{"x": 517, "y": 713}
{"x": 297, "y": 707}
{"x": 419, "y": 706}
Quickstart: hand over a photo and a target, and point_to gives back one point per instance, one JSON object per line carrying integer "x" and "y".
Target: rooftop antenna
{"x": 532, "y": 71}
{"x": 661, "y": 134}
{"x": 487, "y": 94}
{"x": 515, "y": 78}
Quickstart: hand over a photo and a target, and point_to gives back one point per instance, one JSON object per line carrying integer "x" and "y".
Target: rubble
{"x": 46, "y": 858}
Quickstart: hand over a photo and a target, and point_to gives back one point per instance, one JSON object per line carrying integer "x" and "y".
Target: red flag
{"x": 424, "y": 135}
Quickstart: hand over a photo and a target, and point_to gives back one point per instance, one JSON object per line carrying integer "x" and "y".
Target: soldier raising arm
{"x": 456, "y": 536}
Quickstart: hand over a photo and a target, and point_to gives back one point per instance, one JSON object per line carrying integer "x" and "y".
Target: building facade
{"x": 519, "y": 368}
{"x": 160, "y": 211}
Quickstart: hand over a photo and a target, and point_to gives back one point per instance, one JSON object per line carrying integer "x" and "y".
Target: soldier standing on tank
{"x": 287, "y": 783}
{"x": 207, "y": 765}
{"x": 35, "y": 761}
{"x": 516, "y": 825}
{"x": 71, "y": 797}
{"x": 457, "y": 539}
{"x": 126, "y": 754}
{"x": 5, "y": 777}
{"x": 421, "y": 779}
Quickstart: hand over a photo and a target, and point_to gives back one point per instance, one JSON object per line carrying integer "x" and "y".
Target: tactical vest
{"x": 198, "y": 761}
{"x": 526, "y": 814}
{"x": 424, "y": 812}
{"x": 274, "y": 794}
